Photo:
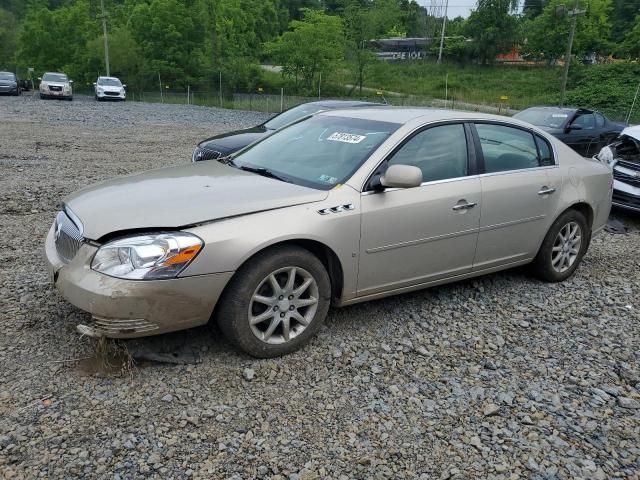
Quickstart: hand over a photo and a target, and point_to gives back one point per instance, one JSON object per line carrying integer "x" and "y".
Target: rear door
{"x": 520, "y": 193}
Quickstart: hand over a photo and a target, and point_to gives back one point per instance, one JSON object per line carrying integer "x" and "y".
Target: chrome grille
{"x": 114, "y": 326}
{"x": 67, "y": 237}
{"x": 205, "y": 154}
{"x": 626, "y": 178}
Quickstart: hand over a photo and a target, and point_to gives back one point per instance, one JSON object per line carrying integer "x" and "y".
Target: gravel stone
{"x": 395, "y": 388}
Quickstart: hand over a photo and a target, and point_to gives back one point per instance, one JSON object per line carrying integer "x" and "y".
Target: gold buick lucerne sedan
{"x": 337, "y": 208}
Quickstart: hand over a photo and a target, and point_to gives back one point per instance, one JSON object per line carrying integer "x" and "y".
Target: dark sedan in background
{"x": 9, "y": 83}
{"x": 227, "y": 143}
{"x": 586, "y": 131}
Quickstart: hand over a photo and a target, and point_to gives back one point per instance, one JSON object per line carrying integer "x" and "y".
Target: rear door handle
{"x": 546, "y": 191}
{"x": 464, "y": 206}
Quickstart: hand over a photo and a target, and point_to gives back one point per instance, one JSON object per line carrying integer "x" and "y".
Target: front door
{"x": 422, "y": 234}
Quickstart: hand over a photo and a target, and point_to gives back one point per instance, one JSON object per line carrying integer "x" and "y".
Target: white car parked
{"x": 109, "y": 88}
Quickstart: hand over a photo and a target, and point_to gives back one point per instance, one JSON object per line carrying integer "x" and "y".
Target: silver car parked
{"x": 337, "y": 208}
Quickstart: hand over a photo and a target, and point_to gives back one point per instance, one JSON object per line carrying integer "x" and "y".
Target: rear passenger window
{"x": 545, "y": 153}
{"x": 440, "y": 152}
{"x": 507, "y": 148}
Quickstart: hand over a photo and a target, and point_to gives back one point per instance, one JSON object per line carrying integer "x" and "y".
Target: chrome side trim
{"x": 511, "y": 223}
{"x": 423, "y": 184}
{"x": 507, "y": 172}
{"x": 421, "y": 240}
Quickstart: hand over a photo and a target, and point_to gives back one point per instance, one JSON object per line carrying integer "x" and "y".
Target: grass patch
{"x": 524, "y": 86}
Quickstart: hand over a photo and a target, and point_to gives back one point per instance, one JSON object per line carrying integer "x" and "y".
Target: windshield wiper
{"x": 264, "y": 172}
{"x": 227, "y": 160}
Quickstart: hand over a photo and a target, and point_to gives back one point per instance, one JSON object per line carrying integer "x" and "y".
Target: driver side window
{"x": 587, "y": 121}
{"x": 440, "y": 152}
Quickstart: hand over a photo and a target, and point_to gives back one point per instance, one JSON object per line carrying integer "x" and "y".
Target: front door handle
{"x": 546, "y": 191}
{"x": 464, "y": 206}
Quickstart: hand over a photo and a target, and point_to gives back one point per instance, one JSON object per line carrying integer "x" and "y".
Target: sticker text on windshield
{"x": 346, "y": 137}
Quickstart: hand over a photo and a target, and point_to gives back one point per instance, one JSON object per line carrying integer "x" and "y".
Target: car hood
{"x": 8, "y": 82}
{"x": 233, "y": 141}
{"x": 175, "y": 197}
{"x": 633, "y": 132}
{"x": 551, "y": 130}
{"x": 55, "y": 84}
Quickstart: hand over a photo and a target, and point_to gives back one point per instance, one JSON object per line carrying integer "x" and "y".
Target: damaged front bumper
{"x": 132, "y": 308}
{"x": 626, "y": 186}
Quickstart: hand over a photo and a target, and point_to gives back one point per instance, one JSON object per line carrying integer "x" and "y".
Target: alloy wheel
{"x": 566, "y": 247}
{"x": 283, "y": 305}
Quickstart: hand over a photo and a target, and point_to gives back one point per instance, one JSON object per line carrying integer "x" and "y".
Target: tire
{"x": 549, "y": 265}
{"x": 42, "y": 97}
{"x": 253, "y": 279}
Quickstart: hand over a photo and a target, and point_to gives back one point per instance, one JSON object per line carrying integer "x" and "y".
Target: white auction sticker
{"x": 559, "y": 115}
{"x": 346, "y": 137}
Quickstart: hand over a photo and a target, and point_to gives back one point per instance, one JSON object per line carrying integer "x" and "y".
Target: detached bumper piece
{"x": 113, "y": 328}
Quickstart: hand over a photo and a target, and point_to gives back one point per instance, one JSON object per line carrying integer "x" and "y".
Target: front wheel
{"x": 563, "y": 247}
{"x": 276, "y": 302}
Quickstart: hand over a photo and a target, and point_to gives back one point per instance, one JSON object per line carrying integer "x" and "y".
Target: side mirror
{"x": 124, "y": 85}
{"x": 40, "y": 78}
{"x": 70, "y": 81}
{"x": 94, "y": 84}
{"x": 401, "y": 176}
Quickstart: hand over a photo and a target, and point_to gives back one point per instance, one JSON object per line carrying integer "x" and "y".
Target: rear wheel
{"x": 276, "y": 302}
{"x": 563, "y": 247}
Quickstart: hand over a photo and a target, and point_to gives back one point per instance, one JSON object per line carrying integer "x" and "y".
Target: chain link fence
{"x": 276, "y": 103}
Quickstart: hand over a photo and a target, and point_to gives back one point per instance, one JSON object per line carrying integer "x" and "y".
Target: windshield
{"x": 292, "y": 115}
{"x": 319, "y": 152}
{"x": 111, "y": 82}
{"x": 54, "y": 77}
{"x": 544, "y": 118}
{"x": 7, "y": 76}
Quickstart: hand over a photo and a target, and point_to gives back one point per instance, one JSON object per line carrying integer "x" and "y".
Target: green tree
{"x": 168, "y": 33}
{"x": 623, "y": 18}
{"x": 547, "y": 34}
{"x": 493, "y": 28}
{"x": 8, "y": 37}
{"x": 313, "y": 46}
{"x": 56, "y": 39}
{"x": 631, "y": 44}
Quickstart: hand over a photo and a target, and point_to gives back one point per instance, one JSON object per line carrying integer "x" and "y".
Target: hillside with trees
{"x": 196, "y": 42}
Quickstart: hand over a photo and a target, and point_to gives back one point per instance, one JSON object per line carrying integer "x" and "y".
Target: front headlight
{"x": 147, "y": 257}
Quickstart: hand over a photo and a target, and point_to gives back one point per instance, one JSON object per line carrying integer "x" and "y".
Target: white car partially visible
{"x": 109, "y": 88}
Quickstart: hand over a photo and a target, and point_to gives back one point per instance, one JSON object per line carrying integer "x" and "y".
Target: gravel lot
{"x": 502, "y": 377}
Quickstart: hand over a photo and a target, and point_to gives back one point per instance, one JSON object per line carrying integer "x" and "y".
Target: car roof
{"x": 54, "y": 73}
{"x": 108, "y": 78}
{"x": 404, "y": 114}
{"x": 335, "y": 104}
{"x": 4, "y": 73}
{"x": 568, "y": 110}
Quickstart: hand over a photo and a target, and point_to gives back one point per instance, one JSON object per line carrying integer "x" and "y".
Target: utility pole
{"x": 567, "y": 57}
{"x": 106, "y": 40}
{"x": 444, "y": 24}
